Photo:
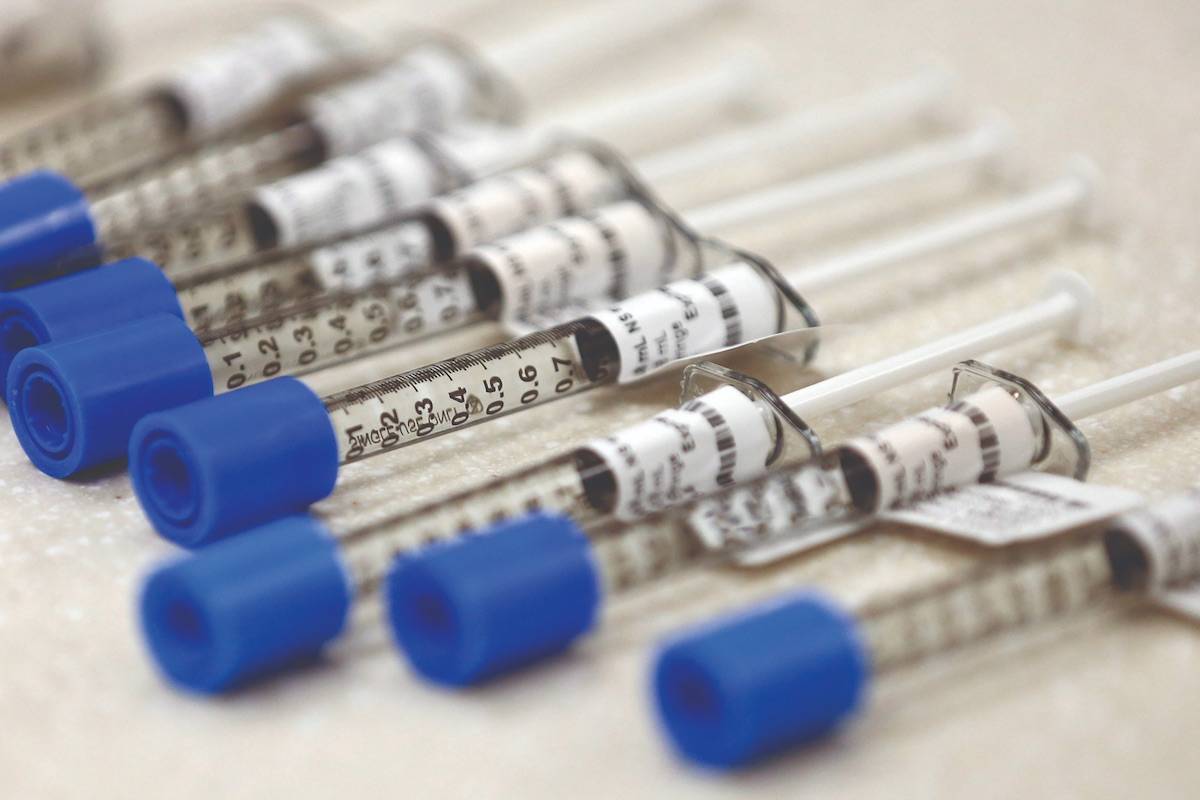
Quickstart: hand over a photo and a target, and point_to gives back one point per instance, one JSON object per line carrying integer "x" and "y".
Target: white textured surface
{"x": 1108, "y": 709}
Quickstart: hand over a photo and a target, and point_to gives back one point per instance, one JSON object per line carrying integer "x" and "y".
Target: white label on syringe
{"x": 1021, "y": 507}
{"x": 504, "y": 204}
{"x": 974, "y": 440}
{"x": 220, "y": 89}
{"x": 714, "y": 441}
{"x": 1168, "y": 532}
{"x": 613, "y": 252}
{"x": 770, "y": 509}
{"x": 425, "y": 89}
{"x": 686, "y": 318}
{"x": 350, "y": 193}
{"x": 361, "y": 261}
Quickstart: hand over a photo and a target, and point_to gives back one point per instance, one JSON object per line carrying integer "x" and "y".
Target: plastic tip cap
{"x": 247, "y": 608}
{"x": 73, "y": 404}
{"x": 757, "y": 683}
{"x": 83, "y": 304}
{"x": 478, "y": 607}
{"x": 44, "y": 218}
{"x": 209, "y": 469}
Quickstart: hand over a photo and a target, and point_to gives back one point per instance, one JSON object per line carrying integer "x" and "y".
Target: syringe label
{"x": 339, "y": 329}
{"x": 1169, "y": 535}
{"x": 770, "y": 508}
{"x": 350, "y": 193}
{"x": 1019, "y": 507}
{"x": 222, "y": 88}
{"x": 714, "y": 441}
{"x": 512, "y": 201}
{"x": 457, "y": 392}
{"x": 427, "y": 88}
{"x": 580, "y": 260}
{"x": 976, "y": 439}
{"x": 362, "y": 261}
{"x": 691, "y": 317}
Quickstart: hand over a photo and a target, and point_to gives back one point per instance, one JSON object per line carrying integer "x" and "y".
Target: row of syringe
{"x": 553, "y": 239}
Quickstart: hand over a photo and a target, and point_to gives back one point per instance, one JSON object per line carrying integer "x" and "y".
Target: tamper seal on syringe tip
{"x": 246, "y": 607}
{"x": 82, "y": 304}
{"x": 209, "y": 469}
{"x": 748, "y": 686}
{"x": 73, "y": 404}
{"x": 44, "y": 218}
{"x": 475, "y": 608}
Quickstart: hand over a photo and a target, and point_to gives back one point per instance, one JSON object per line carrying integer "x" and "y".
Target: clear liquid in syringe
{"x": 453, "y": 393}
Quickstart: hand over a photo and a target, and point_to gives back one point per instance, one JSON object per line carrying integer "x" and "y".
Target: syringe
{"x": 213, "y": 94}
{"x": 320, "y": 572}
{"x": 387, "y": 181}
{"x": 45, "y": 219}
{"x": 657, "y": 329}
{"x": 460, "y": 622}
{"x": 788, "y": 672}
{"x": 46, "y": 44}
{"x": 637, "y": 242}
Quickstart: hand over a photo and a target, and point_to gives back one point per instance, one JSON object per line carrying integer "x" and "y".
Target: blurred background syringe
{"x": 790, "y": 671}
{"x": 239, "y": 82}
{"x": 333, "y": 569}
{"x": 354, "y": 193}
{"x": 447, "y": 227}
{"x": 45, "y": 218}
{"x": 48, "y": 44}
{"x": 630, "y": 245}
{"x": 469, "y": 610}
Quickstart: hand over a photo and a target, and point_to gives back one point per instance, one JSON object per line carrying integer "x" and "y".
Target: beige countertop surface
{"x": 1108, "y": 707}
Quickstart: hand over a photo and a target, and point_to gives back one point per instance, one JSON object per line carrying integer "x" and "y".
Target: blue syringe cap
{"x": 480, "y": 606}
{"x": 82, "y": 304}
{"x": 209, "y": 469}
{"x": 247, "y": 607}
{"x": 753, "y": 684}
{"x": 44, "y": 219}
{"x": 73, "y": 404}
